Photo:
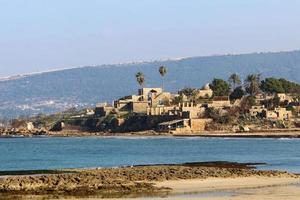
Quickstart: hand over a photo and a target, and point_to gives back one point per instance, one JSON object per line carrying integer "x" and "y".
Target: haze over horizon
{"x": 44, "y": 35}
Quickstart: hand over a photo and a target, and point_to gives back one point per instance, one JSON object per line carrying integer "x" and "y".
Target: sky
{"x": 41, "y": 35}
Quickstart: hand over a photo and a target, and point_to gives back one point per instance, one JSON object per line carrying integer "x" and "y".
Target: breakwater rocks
{"x": 110, "y": 182}
{"x": 21, "y": 132}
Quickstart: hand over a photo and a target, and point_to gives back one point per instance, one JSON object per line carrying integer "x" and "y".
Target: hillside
{"x": 83, "y": 87}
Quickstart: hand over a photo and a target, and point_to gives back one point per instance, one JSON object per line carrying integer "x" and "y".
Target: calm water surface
{"x": 53, "y": 153}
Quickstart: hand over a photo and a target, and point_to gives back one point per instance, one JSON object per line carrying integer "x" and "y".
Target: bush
{"x": 237, "y": 93}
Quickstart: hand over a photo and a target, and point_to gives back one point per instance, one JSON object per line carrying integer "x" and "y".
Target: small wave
{"x": 285, "y": 138}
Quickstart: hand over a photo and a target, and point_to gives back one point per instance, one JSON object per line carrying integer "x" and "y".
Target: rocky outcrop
{"x": 23, "y": 132}
{"x": 121, "y": 180}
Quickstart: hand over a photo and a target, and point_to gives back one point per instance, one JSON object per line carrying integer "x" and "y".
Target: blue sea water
{"x": 86, "y": 152}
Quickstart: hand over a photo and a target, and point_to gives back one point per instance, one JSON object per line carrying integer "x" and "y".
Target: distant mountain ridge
{"x": 85, "y": 86}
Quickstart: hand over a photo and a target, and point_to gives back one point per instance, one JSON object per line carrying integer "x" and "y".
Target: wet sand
{"x": 234, "y": 188}
{"x": 254, "y": 188}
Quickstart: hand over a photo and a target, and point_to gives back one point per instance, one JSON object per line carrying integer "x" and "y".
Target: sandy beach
{"x": 234, "y": 188}
{"x": 255, "y": 188}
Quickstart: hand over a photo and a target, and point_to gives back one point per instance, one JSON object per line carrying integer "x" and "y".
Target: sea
{"x": 96, "y": 152}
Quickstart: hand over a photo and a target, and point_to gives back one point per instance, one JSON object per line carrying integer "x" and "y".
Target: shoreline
{"x": 219, "y": 164}
{"x": 234, "y": 188}
{"x": 133, "y": 180}
{"x": 204, "y": 134}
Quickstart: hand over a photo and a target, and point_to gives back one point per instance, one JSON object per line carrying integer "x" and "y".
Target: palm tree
{"x": 162, "y": 70}
{"x": 234, "y": 80}
{"x": 252, "y": 84}
{"x": 140, "y": 78}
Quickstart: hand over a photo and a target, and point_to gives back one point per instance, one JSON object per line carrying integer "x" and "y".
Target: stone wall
{"x": 199, "y": 124}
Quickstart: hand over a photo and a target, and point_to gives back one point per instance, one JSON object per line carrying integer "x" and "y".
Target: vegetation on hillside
{"x": 83, "y": 87}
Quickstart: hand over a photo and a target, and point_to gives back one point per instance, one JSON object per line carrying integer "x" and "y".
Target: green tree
{"x": 237, "y": 93}
{"x": 140, "y": 78}
{"x": 234, "y": 80}
{"x": 252, "y": 84}
{"x": 162, "y": 71}
{"x": 220, "y": 87}
{"x": 177, "y": 100}
{"x": 271, "y": 103}
{"x": 218, "y": 116}
{"x": 276, "y": 101}
{"x": 272, "y": 85}
{"x": 290, "y": 87}
{"x": 189, "y": 92}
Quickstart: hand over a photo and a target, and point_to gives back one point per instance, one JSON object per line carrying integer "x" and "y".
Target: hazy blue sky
{"x": 37, "y": 35}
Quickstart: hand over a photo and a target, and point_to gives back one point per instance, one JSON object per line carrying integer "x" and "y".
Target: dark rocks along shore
{"x": 110, "y": 182}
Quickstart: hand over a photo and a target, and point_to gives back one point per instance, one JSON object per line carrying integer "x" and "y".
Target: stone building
{"x": 197, "y": 125}
{"x": 262, "y": 97}
{"x": 160, "y": 110}
{"x": 277, "y": 114}
{"x": 138, "y": 106}
{"x": 148, "y": 93}
{"x": 184, "y": 126}
{"x": 103, "y": 109}
{"x": 122, "y": 104}
{"x": 256, "y": 110}
{"x": 220, "y": 102}
{"x": 205, "y": 92}
{"x": 285, "y": 97}
{"x": 148, "y": 100}
{"x": 283, "y": 114}
{"x": 270, "y": 114}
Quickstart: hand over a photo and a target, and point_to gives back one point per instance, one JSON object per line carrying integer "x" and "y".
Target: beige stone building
{"x": 148, "y": 93}
{"x": 149, "y": 100}
{"x": 160, "y": 110}
{"x": 270, "y": 114}
{"x": 220, "y": 102}
{"x": 138, "y": 106}
{"x": 285, "y": 97}
{"x": 255, "y": 110}
{"x": 205, "y": 92}
{"x": 277, "y": 114}
{"x": 160, "y": 99}
{"x": 197, "y": 125}
{"x": 184, "y": 126}
{"x": 283, "y": 114}
{"x": 123, "y": 103}
{"x": 103, "y": 109}
{"x": 262, "y": 97}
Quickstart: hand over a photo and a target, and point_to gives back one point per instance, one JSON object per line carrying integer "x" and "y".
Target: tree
{"x": 162, "y": 70}
{"x": 290, "y": 87}
{"x": 271, "y": 103}
{"x": 190, "y": 93}
{"x": 220, "y": 87}
{"x": 140, "y": 78}
{"x": 252, "y": 84}
{"x": 272, "y": 85}
{"x": 276, "y": 101}
{"x": 237, "y": 93}
{"x": 234, "y": 80}
{"x": 218, "y": 116}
